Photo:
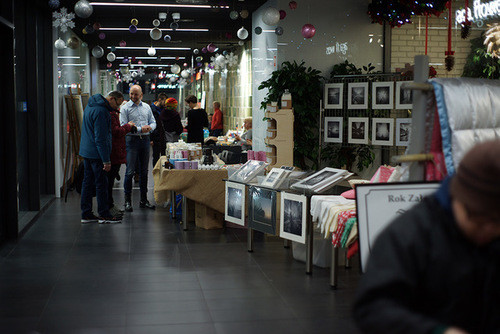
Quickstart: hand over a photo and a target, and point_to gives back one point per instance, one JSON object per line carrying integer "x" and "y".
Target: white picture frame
{"x": 235, "y": 203}
{"x": 334, "y": 96}
{"x": 274, "y": 177}
{"x": 334, "y": 128}
{"x": 357, "y": 132}
{"x": 404, "y": 97}
{"x": 248, "y": 171}
{"x": 403, "y": 131}
{"x": 357, "y": 95}
{"x": 293, "y": 211}
{"x": 376, "y": 207}
{"x": 383, "y": 95}
{"x": 383, "y": 131}
{"x": 321, "y": 179}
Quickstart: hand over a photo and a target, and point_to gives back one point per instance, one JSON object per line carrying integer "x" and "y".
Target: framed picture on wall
{"x": 357, "y": 130}
{"x": 357, "y": 95}
{"x": 262, "y": 209}
{"x": 333, "y": 129}
{"x": 383, "y": 95}
{"x": 403, "y": 131}
{"x": 293, "y": 212}
{"x": 235, "y": 203}
{"x": 382, "y": 131}
{"x": 334, "y": 93}
{"x": 404, "y": 97}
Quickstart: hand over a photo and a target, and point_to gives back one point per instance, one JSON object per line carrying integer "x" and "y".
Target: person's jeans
{"x": 137, "y": 150}
{"x": 112, "y": 174}
{"x": 94, "y": 178}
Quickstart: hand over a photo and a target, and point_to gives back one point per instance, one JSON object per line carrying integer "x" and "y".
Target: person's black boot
{"x": 144, "y": 203}
{"x": 128, "y": 203}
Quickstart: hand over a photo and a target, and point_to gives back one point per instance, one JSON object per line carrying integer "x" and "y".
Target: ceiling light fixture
{"x": 164, "y": 29}
{"x": 147, "y": 47}
{"x": 128, "y": 4}
{"x": 154, "y": 58}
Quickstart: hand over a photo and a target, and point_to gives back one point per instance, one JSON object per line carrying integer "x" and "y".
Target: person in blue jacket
{"x": 95, "y": 148}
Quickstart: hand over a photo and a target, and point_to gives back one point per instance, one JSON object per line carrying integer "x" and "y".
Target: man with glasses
{"x": 95, "y": 148}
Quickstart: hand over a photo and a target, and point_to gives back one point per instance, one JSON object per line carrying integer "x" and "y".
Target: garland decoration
{"x": 466, "y": 25}
{"x": 399, "y": 12}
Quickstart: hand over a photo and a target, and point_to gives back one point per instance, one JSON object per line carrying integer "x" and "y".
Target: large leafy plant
{"x": 480, "y": 63}
{"x": 304, "y": 83}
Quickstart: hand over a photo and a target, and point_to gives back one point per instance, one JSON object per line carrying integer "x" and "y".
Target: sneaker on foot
{"x": 115, "y": 211}
{"x": 110, "y": 220}
{"x": 89, "y": 219}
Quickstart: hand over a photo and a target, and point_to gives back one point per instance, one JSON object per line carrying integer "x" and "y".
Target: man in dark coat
{"x": 95, "y": 148}
{"x": 157, "y": 137}
{"x": 436, "y": 268}
{"x": 197, "y": 119}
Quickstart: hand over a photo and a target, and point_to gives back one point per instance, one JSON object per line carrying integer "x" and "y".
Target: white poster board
{"x": 378, "y": 204}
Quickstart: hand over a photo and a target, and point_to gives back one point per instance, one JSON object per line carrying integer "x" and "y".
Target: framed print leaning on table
{"x": 235, "y": 203}
{"x": 262, "y": 209}
{"x": 293, "y": 217}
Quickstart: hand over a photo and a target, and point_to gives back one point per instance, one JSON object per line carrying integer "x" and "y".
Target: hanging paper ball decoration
{"x": 155, "y": 34}
{"x": 133, "y": 58}
{"x": 233, "y": 15}
{"x": 167, "y": 38}
{"x": 123, "y": 43}
{"x": 156, "y": 22}
{"x": 185, "y": 64}
{"x": 244, "y": 14}
{"x": 258, "y": 30}
{"x": 84, "y": 31}
{"x": 111, "y": 57}
{"x": 89, "y": 29}
{"x": 292, "y": 4}
{"x": 308, "y": 30}
{"x": 96, "y": 26}
{"x": 185, "y": 74}
{"x": 220, "y": 60}
{"x": 151, "y": 51}
{"x": 199, "y": 59}
{"x": 198, "y": 64}
{"x": 134, "y": 22}
{"x": 204, "y": 49}
{"x": 158, "y": 59}
{"x": 211, "y": 48}
{"x": 125, "y": 60}
{"x": 109, "y": 65}
{"x": 224, "y": 52}
{"x": 242, "y": 33}
{"x": 54, "y": 4}
{"x": 84, "y": 45}
{"x": 60, "y": 44}
{"x": 282, "y": 14}
{"x": 73, "y": 42}
{"x": 271, "y": 16}
{"x": 113, "y": 48}
{"x": 241, "y": 43}
{"x": 174, "y": 26}
{"x": 175, "y": 69}
{"x": 172, "y": 79}
{"x": 102, "y": 35}
{"x": 278, "y": 31}
{"x": 97, "y": 51}
{"x": 83, "y": 9}
{"x": 134, "y": 74}
{"x": 139, "y": 62}
{"x": 132, "y": 28}
{"x": 196, "y": 51}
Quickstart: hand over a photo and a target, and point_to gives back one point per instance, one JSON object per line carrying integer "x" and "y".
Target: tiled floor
{"x": 147, "y": 275}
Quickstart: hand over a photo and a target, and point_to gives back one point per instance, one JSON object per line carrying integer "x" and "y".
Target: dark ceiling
{"x": 222, "y": 29}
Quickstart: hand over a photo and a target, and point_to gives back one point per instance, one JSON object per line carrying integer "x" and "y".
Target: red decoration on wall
{"x": 449, "y": 60}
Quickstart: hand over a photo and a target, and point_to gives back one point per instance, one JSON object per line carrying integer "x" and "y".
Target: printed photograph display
{"x": 358, "y": 130}
{"x": 333, "y": 129}
{"x": 358, "y": 95}
{"x": 382, "y": 131}
{"x": 235, "y": 203}
{"x": 248, "y": 171}
{"x": 275, "y": 177}
{"x": 382, "y": 95}
{"x": 262, "y": 209}
{"x": 403, "y": 130}
{"x": 404, "y": 97}
{"x": 322, "y": 179}
{"x": 293, "y": 217}
{"x": 334, "y": 93}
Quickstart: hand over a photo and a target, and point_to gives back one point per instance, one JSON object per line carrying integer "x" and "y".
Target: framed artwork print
{"x": 275, "y": 177}
{"x": 321, "y": 179}
{"x": 333, "y": 129}
{"x": 334, "y": 93}
{"x": 357, "y": 95}
{"x": 358, "y": 130}
{"x": 235, "y": 203}
{"x": 382, "y": 131}
{"x": 262, "y": 209}
{"x": 404, "y": 97}
{"x": 293, "y": 212}
{"x": 248, "y": 171}
{"x": 403, "y": 130}
{"x": 382, "y": 95}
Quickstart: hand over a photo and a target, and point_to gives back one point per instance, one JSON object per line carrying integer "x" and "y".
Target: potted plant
{"x": 304, "y": 83}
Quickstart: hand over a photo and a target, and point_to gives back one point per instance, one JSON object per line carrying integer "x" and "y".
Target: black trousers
{"x": 112, "y": 174}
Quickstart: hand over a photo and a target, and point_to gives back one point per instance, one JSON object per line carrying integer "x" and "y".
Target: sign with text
{"x": 378, "y": 204}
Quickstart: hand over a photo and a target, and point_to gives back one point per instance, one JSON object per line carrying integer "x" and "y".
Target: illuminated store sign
{"x": 480, "y": 11}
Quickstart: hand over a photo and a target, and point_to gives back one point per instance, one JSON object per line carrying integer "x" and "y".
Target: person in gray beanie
{"x": 436, "y": 268}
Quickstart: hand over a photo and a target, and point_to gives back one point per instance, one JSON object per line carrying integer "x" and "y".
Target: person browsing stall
{"x": 158, "y": 142}
{"x": 216, "y": 123}
{"x": 171, "y": 121}
{"x": 197, "y": 119}
{"x": 95, "y": 148}
{"x": 138, "y": 145}
{"x": 245, "y": 140}
{"x": 436, "y": 268}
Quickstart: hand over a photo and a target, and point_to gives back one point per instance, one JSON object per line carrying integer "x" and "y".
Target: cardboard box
{"x": 208, "y": 218}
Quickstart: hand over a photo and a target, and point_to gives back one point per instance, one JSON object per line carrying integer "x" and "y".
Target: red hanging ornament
{"x": 465, "y": 27}
{"x": 450, "y": 59}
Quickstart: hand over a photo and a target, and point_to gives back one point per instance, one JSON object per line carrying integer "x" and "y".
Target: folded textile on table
{"x": 347, "y": 231}
{"x": 343, "y": 218}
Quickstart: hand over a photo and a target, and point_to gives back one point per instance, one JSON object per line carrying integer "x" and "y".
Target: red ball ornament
{"x": 292, "y": 4}
{"x": 308, "y": 30}
{"x": 282, "y": 14}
